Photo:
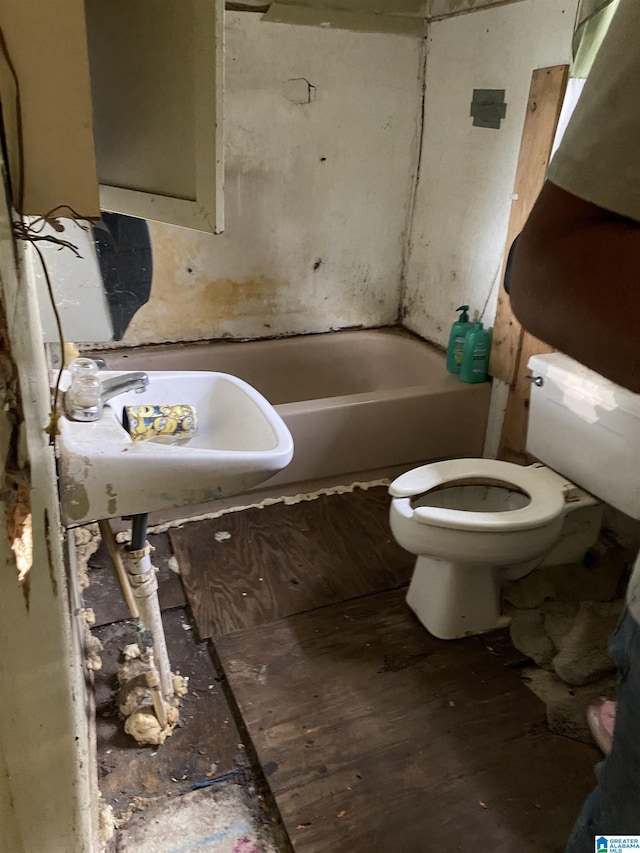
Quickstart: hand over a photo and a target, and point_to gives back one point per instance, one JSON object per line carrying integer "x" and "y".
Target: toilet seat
{"x": 546, "y": 494}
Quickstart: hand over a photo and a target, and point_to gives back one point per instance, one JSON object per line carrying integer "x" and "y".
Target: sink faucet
{"x": 136, "y": 381}
{"x": 85, "y": 399}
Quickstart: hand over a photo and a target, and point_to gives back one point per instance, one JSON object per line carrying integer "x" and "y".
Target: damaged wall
{"x": 322, "y": 130}
{"x": 440, "y": 8}
{"x": 319, "y": 179}
{"x": 410, "y": 8}
{"x": 467, "y": 173}
{"x": 45, "y": 786}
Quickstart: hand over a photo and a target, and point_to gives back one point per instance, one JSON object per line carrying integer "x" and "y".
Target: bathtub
{"x": 355, "y": 401}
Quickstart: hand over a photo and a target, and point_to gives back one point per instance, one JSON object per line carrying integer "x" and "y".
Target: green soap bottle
{"x": 475, "y": 355}
{"x": 457, "y": 336}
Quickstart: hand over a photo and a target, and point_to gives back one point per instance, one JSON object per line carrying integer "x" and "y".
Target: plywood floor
{"x": 373, "y": 735}
{"x": 263, "y": 564}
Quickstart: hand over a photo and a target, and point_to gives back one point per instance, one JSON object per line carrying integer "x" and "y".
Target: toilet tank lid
{"x": 559, "y": 369}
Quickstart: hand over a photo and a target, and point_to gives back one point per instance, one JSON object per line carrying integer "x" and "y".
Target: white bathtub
{"x": 355, "y": 401}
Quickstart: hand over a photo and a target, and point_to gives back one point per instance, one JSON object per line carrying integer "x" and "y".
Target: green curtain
{"x": 594, "y": 17}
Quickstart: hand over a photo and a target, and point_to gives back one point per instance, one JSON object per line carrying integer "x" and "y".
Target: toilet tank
{"x": 586, "y": 428}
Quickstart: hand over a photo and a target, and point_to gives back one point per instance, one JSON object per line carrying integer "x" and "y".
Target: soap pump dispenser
{"x": 457, "y": 337}
{"x": 475, "y": 354}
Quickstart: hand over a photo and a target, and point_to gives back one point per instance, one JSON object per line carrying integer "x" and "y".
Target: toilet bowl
{"x": 476, "y": 523}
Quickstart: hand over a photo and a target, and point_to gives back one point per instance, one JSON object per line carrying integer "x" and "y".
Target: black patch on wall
{"x": 123, "y": 246}
{"x": 488, "y": 108}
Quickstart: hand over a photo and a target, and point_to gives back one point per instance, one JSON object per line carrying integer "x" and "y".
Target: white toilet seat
{"x": 546, "y": 495}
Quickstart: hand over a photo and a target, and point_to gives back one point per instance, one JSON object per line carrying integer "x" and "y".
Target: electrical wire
{"x": 32, "y": 232}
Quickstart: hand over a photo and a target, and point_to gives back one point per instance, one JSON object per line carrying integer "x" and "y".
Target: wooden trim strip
{"x": 543, "y": 110}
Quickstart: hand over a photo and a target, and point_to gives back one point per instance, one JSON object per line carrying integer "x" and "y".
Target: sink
{"x": 241, "y": 441}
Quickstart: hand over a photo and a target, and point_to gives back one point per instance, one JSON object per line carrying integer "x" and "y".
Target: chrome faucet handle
{"x": 82, "y": 399}
{"x": 82, "y": 402}
{"x": 87, "y": 394}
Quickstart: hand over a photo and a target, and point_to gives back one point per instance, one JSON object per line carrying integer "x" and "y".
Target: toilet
{"x": 475, "y": 524}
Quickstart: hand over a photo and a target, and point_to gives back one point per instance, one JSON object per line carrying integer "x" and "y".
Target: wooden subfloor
{"x": 374, "y": 736}
{"x": 263, "y": 564}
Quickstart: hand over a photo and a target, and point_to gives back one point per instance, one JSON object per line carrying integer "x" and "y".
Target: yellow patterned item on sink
{"x": 167, "y": 424}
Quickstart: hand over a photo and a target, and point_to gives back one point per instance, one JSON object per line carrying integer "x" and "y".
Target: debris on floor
{"x": 562, "y": 618}
{"x": 205, "y": 752}
{"x": 566, "y": 705}
{"x": 92, "y": 645}
{"x": 338, "y": 636}
{"x": 210, "y": 821}
{"x": 144, "y": 720}
{"x": 106, "y": 823}
{"x": 570, "y": 639}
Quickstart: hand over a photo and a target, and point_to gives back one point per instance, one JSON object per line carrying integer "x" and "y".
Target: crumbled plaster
{"x": 87, "y": 541}
{"x": 92, "y": 649}
{"x": 137, "y": 806}
{"x": 15, "y": 489}
{"x": 92, "y": 645}
{"x": 20, "y": 532}
{"x": 106, "y": 823}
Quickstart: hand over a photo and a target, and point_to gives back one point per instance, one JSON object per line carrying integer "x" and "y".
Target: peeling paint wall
{"x": 440, "y": 8}
{"x": 369, "y": 7}
{"x": 45, "y": 785}
{"x": 322, "y": 130}
{"x": 467, "y": 173}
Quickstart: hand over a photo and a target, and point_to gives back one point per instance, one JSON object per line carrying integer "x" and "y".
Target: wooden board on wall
{"x": 512, "y": 346}
{"x": 543, "y": 110}
{"x": 516, "y": 416}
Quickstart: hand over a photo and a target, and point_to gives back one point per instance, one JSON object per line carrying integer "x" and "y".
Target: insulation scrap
{"x": 131, "y": 651}
{"x": 92, "y": 649}
{"x": 134, "y": 694}
{"x": 135, "y": 699}
{"x": 87, "y": 541}
{"x": 131, "y": 667}
{"x": 180, "y": 685}
{"x": 144, "y": 726}
{"x": 106, "y": 823}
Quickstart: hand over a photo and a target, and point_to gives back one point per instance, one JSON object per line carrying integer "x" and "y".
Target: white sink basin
{"x": 241, "y": 441}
